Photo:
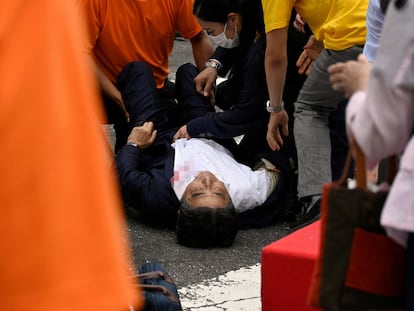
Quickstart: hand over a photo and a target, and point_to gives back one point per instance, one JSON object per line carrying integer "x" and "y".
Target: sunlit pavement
{"x": 235, "y": 290}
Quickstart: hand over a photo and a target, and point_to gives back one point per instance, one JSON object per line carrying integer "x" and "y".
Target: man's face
{"x": 206, "y": 190}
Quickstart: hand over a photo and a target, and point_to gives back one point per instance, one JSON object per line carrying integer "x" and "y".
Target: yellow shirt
{"x": 339, "y": 24}
{"x": 63, "y": 243}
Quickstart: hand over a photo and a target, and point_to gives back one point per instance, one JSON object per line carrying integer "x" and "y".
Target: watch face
{"x": 212, "y": 64}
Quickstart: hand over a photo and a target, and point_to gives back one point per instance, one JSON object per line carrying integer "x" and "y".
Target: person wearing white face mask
{"x": 237, "y": 107}
{"x": 222, "y": 40}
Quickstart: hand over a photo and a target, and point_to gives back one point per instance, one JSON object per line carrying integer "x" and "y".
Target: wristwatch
{"x": 213, "y": 63}
{"x": 275, "y": 109}
{"x": 132, "y": 144}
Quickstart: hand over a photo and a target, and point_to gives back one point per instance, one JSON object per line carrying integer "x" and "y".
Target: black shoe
{"x": 308, "y": 216}
{"x": 293, "y": 210}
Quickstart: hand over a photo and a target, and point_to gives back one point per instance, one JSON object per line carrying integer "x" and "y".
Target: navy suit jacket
{"x": 145, "y": 175}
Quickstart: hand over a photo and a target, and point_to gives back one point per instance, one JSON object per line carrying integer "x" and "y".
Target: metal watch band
{"x": 213, "y": 63}
{"x": 132, "y": 144}
{"x": 275, "y": 109}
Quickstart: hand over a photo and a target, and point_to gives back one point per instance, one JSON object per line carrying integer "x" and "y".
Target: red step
{"x": 287, "y": 267}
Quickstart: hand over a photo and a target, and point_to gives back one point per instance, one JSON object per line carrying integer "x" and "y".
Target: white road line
{"x": 237, "y": 290}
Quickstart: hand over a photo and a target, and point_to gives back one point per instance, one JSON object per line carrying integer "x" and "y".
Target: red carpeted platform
{"x": 287, "y": 268}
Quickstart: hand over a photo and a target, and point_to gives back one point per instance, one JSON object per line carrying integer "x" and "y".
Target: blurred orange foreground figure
{"x": 63, "y": 239}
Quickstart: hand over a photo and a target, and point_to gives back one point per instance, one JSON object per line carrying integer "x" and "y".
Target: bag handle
{"x": 155, "y": 274}
{"x": 156, "y": 288}
{"x": 361, "y": 169}
{"x": 159, "y": 288}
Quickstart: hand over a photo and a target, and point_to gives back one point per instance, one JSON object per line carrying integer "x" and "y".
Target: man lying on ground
{"x": 198, "y": 187}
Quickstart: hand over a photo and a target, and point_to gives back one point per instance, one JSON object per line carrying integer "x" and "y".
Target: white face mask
{"x": 224, "y": 42}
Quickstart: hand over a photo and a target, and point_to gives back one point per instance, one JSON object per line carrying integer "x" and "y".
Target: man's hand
{"x": 311, "y": 51}
{"x": 350, "y": 76}
{"x": 278, "y": 121}
{"x": 143, "y": 135}
{"x": 205, "y": 81}
{"x": 182, "y": 133}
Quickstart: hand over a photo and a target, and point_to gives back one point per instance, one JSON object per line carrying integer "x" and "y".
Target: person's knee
{"x": 138, "y": 67}
{"x": 133, "y": 70}
{"x": 186, "y": 72}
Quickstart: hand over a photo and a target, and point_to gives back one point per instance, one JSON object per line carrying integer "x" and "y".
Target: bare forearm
{"x": 275, "y": 77}
{"x": 105, "y": 84}
{"x": 108, "y": 88}
{"x": 276, "y": 66}
{"x": 202, "y": 49}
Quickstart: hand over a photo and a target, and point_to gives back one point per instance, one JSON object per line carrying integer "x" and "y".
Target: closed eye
{"x": 197, "y": 194}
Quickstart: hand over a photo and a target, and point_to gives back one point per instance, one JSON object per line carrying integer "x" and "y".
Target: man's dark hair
{"x": 206, "y": 226}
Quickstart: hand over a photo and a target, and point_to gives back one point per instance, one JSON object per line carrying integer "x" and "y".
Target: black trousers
{"x": 143, "y": 101}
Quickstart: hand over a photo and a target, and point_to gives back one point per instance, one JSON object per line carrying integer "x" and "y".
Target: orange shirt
{"x": 62, "y": 235}
{"x": 124, "y": 31}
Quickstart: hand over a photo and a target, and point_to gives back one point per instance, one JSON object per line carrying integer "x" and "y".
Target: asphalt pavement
{"x": 208, "y": 279}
